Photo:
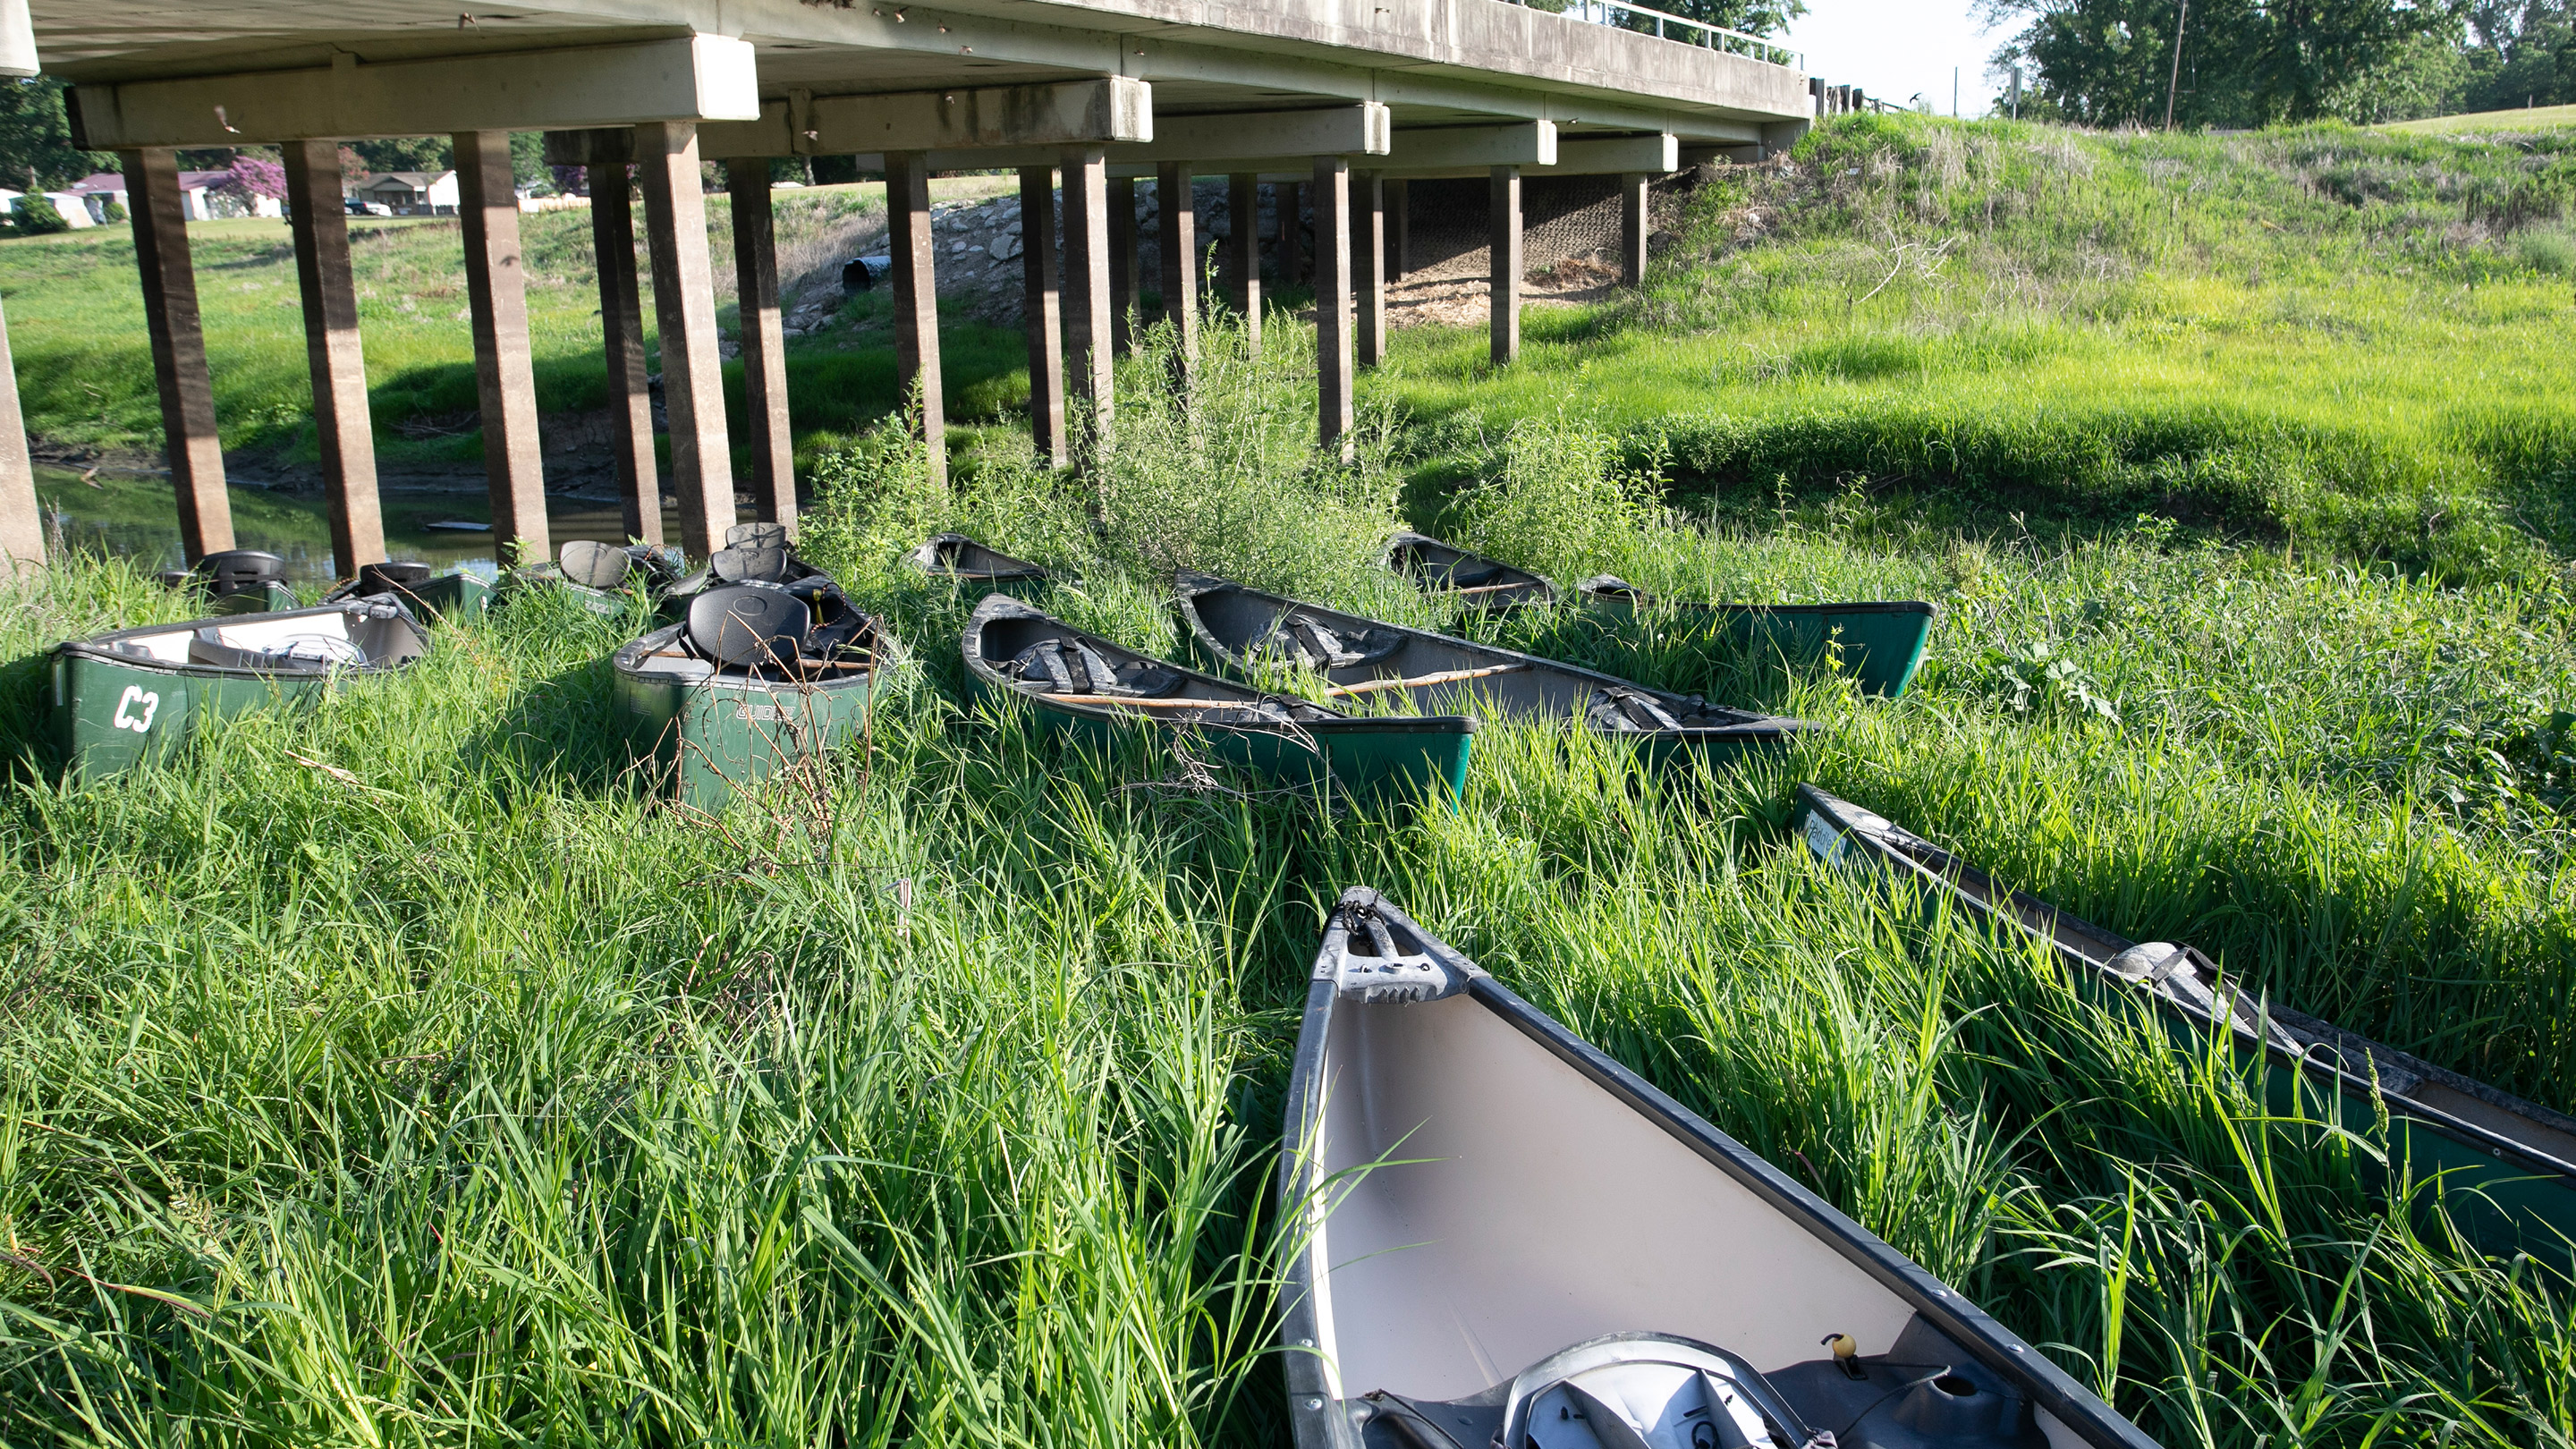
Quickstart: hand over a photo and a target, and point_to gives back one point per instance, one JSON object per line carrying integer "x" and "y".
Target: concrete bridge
{"x": 1351, "y": 98}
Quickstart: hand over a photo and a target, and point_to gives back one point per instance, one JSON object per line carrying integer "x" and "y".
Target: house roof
{"x": 100, "y": 181}
{"x": 413, "y": 180}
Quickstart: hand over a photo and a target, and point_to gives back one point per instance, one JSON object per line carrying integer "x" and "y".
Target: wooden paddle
{"x": 1142, "y": 703}
{"x": 1448, "y": 677}
{"x": 1494, "y": 588}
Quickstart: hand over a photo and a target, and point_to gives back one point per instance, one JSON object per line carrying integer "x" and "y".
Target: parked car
{"x": 368, "y": 208}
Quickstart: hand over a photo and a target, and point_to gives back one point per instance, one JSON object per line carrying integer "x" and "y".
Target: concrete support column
{"x": 916, "y": 298}
{"x": 1505, "y": 239}
{"x": 1089, "y": 206}
{"x": 1632, "y": 229}
{"x": 1177, "y": 231}
{"x": 1044, "y": 317}
{"x": 341, "y": 419}
{"x": 178, "y": 351}
{"x": 22, "y": 521}
{"x": 1243, "y": 252}
{"x": 1399, "y": 229}
{"x": 621, "y": 327}
{"x": 496, "y": 286}
{"x": 684, "y": 302}
{"x": 764, "y": 342}
{"x": 1368, "y": 260}
{"x": 1126, "y": 264}
{"x": 1333, "y": 304}
{"x": 1292, "y": 236}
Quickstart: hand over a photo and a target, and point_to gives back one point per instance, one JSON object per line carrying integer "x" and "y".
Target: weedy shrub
{"x": 1567, "y": 501}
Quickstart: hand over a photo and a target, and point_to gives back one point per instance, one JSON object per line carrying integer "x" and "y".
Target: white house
{"x": 410, "y": 193}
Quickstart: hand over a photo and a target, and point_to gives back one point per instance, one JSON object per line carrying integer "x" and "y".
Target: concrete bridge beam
{"x": 1043, "y": 316}
{"x": 699, "y": 77}
{"x": 764, "y": 342}
{"x": 496, "y": 287}
{"x": 916, "y": 300}
{"x": 1333, "y": 350}
{"x": 22, "y": 520}
{"x": 606, "y": 154}
{"x": 341, "y": 419}
{"x": 178, "y": 352}
{"x": 675, "y": 221}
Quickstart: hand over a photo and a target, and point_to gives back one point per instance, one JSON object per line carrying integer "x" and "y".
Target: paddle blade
{"x": 747, "y": 627}
{"x": 594, "y": 565}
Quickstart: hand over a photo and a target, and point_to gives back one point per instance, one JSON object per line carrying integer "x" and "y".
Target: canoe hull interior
{"x": 1481, "y": 1190}
{"x": 136, "y": 695}
{"x": 1231, "y": 627}
{"x": 2519, "y": 1155}
{"x": 1406, "y": 755}
{"x": 953, "y": 558}
{"x": 1472, "y": 580}
{"x": 698, "y": 733}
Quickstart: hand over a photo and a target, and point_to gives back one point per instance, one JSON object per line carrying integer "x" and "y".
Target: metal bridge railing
{"x": 1673, "y": 27}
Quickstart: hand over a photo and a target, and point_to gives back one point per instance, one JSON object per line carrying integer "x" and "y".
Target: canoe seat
{"x": 1317, "y": 647}
{"x": 1069, "y": 666}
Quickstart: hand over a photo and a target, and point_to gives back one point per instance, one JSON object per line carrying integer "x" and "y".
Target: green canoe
{"x": 459, "y": 596}
{"x": 1881, "y": 642}
{"x": 700, "y": 726}
{"x": 956, "y": 559}
{"x": 1241, "y": 630}
{"x": 2521, "y": 1155}
{"x": 1089, "y": 686}
{"x": 1471, "y": 578}
{"x": 137, "y": 694}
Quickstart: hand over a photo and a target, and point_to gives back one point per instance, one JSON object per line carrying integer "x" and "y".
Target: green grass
{"x": 479, "y": 1099}
{"x": 2530, "y": 118}
{"x": 2326, "y": 337}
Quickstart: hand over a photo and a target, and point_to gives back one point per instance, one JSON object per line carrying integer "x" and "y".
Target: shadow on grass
{"x": 558, "y": 734}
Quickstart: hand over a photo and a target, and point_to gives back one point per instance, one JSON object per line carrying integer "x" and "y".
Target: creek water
{"x": 138, "y": 518}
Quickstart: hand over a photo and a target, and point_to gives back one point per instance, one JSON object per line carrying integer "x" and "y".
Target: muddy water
{"x": 137, "y": 518}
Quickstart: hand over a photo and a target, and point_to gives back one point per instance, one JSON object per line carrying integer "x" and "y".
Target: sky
{"x": 1892, "y": 49}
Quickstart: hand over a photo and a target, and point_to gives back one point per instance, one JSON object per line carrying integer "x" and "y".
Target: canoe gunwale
{"x": 1628, "y": 596}
{"x": 1746, "y": 726}
{"x": 92, "y": 648}
{"x": 2322, "y": 1059}
{"x": 1326, "y": 1425}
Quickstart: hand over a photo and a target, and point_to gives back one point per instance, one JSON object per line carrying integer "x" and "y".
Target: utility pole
{"x": 2016, "y": 93}
{"x": 1954, "y": 93}
{"x": 2175, "y": 82}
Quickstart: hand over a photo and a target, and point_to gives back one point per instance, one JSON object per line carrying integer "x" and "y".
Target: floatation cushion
{"x": 748, "y": 626}
{"x": 594, "y": 565}
{"x": 750, "y": 565}
{"x": 756, "y": 535}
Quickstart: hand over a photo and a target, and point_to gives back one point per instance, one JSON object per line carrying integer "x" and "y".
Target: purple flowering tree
{"x": 259, "y": 177}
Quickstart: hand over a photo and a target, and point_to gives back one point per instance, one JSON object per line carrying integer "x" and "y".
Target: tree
{"x": 36, "y": 216}
{"x": 2243, "y": 62}
{"x": 36, "y": 149}
{"x": 259, "y": 176}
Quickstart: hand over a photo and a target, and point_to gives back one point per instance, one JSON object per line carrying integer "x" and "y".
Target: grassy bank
{"x": 2328, "y": 338}
{"x": 476, "y": 1097}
